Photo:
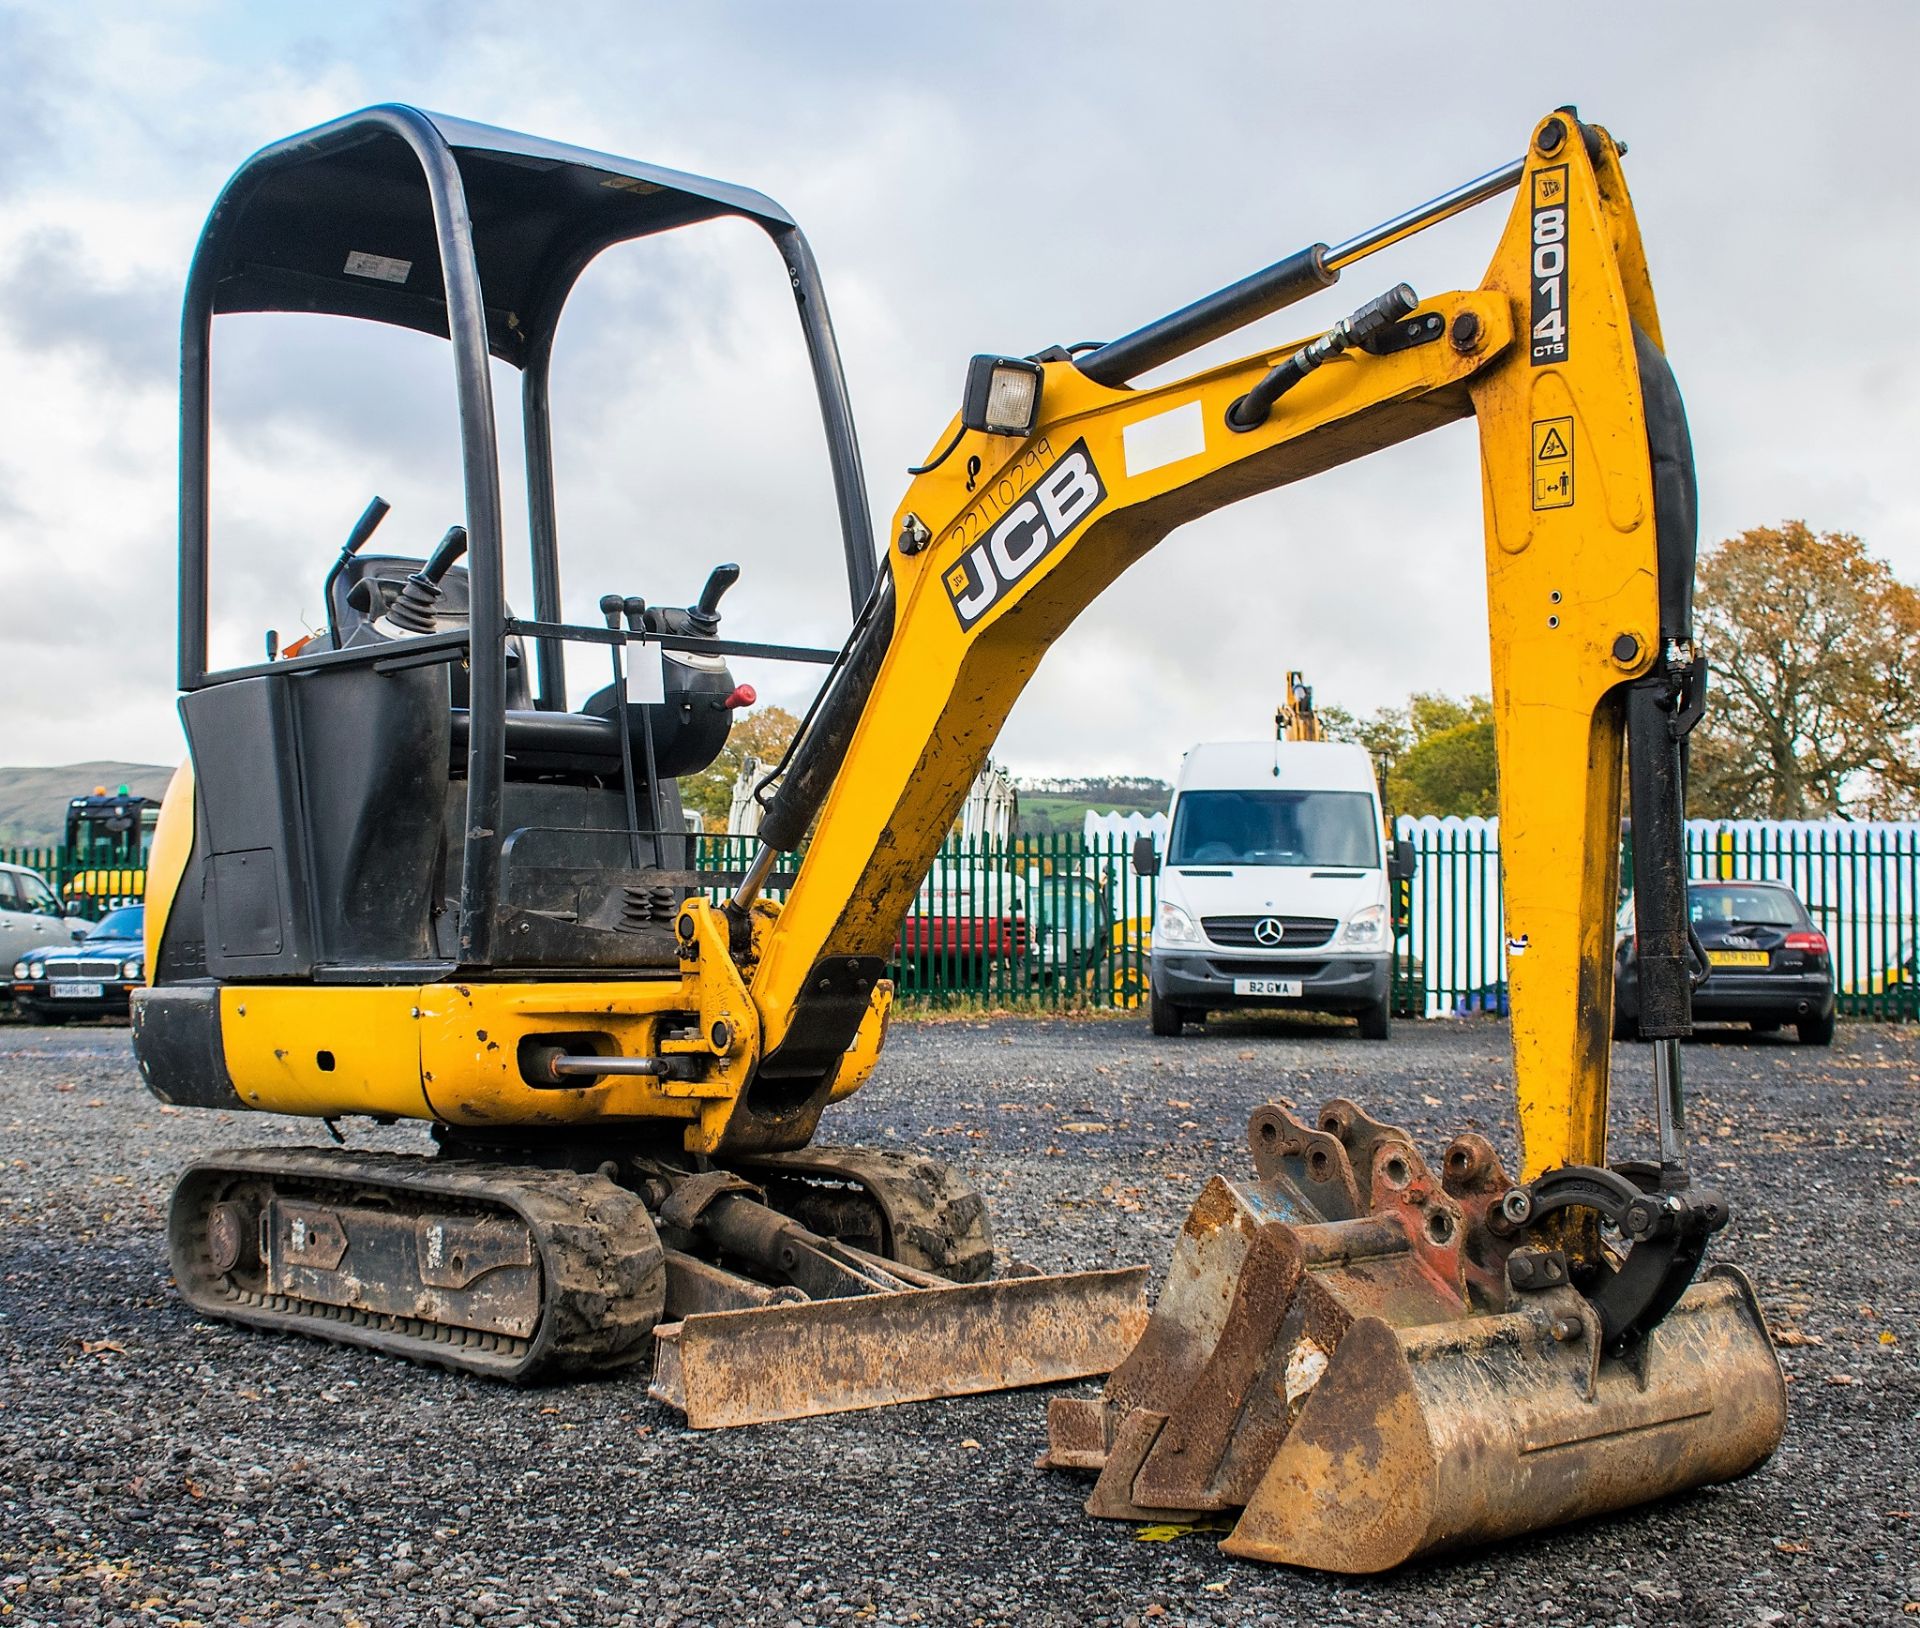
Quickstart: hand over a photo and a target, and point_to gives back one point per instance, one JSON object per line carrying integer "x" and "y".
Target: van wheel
{"x": 1376, "y": 1021}
{"x": 1815, "y": 1031}
{"x": 1163, "y": 1017}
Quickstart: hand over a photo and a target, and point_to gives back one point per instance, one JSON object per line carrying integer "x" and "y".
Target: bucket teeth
{"x": 1338, "y": 1356}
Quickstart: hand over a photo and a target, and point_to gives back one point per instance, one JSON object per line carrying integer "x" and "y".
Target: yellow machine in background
{"x": 409, "y": 878}
{"x": 1294, "y": 719}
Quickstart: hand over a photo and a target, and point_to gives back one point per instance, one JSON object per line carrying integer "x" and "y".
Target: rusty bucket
{"x": 1341, "y": 1355}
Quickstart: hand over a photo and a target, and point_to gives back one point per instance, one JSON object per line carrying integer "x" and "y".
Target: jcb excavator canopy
{"x": 397, "y": 216}
{"x": 348, "y": 220}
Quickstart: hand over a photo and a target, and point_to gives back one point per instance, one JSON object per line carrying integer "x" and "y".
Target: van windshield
{"x": 1275, "y": 828}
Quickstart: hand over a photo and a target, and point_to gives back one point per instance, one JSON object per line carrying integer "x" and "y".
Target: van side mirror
{"x": 1146, "y": 858}
{"x": 1403, "y": 865}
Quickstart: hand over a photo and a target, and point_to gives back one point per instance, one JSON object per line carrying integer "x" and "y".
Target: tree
{"x": 1814, "y": 707}
{"x": 1436, "y": 753}
{"x": 763, "y": 734}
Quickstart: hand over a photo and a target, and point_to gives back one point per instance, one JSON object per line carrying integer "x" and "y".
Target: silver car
{"x": 30, "y": 916}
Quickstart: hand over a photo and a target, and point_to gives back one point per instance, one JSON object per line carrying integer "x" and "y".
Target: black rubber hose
{"x": 1655, "y": 723}
{"x": 822, "y": 748}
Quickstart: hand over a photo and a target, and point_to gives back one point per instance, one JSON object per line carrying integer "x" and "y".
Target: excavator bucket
{"x": 1362, "y": 1361}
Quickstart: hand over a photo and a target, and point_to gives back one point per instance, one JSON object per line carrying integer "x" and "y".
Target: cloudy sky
{"x": 984, "y": 177}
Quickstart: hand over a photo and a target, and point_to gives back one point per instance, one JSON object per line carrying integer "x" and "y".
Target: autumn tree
{"x": 1436, "y": 754}
{"x": 764, "y": 735}
{"x": 1814, "y": 706}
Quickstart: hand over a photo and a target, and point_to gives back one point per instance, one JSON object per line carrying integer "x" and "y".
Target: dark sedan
{"x": 89, "y": 979}
{"x": 1768, "y": 964}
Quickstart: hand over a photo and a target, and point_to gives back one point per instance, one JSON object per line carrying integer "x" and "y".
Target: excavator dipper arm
{"x": 1368, "y": 1360}
{"x": 1004, "y": 542}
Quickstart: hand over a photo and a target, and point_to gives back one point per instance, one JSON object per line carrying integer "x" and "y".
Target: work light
{"x": 1003, "y": 395}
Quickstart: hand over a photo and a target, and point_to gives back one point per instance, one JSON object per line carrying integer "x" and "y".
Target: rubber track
{"x": 603, "y": 1272}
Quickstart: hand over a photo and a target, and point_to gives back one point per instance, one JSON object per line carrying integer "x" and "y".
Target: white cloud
{"x": 996, "y": 177}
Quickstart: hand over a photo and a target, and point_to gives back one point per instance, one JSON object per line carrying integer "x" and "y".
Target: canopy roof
{"x": 341, "y": 220}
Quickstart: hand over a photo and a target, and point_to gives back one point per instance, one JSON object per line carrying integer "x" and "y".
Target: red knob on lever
{"x": 744, "y": 695}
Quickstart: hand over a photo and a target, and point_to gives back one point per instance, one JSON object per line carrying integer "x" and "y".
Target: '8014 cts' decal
{"x": 1066, "y": 492}
{"x": 1550, "y": 265}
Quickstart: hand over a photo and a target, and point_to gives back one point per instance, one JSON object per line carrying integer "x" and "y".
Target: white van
{"x": 1274, "y": 890}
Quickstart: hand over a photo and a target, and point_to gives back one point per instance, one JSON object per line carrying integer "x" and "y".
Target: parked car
{"x": 1768, "y": 964}
{"x": 86, "y": 979}
{"x": 31, "y": 916}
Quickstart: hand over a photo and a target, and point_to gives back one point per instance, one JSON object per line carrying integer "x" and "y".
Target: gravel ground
{"x": 156, "y": 1469}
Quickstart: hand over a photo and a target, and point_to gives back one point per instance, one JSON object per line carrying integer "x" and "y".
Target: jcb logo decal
{"x": 1059, "y": 500}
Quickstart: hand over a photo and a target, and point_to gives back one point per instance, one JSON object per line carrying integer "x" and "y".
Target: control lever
{"x": 363, "y": 528}
{"x": 413, "y": 611}
{"x": 611, "y": 605}
{"x": 636, "y": 610}
{"x": 703, "y": 615}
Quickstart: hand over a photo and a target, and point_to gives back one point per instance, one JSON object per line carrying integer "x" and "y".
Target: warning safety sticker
{"x": 1552, "y": 463}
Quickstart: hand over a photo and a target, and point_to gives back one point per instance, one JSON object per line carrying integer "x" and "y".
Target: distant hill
{"x": 33, "y": 801}
{"x": 1061, "y": 805}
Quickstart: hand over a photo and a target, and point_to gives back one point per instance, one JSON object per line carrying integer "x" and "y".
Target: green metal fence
{"x": 1860, "y": 882}
{"x": 83, "y": 880}
{"x": 1059, "y": 920}
{"x": 1063, "y": 921}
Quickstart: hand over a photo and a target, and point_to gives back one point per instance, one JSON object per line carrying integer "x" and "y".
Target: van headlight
{"x": 1173, "y": 927}
{"x": 134, "y": 971}
{"x": 21, "y": 969}
{"x": 1367, "y": 929}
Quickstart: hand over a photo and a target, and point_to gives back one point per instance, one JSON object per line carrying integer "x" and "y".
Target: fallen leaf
{"x": 1842, "y": 1379}
{"x": 1887, "y": 1337}
{"x": 1175, "y": 1102}
{"x": 97, "y": 1348}
{"x": 1431, "y": 1102}
{"x": 1794, "y": 1336}
{"x": 1167, "y": 1531}
{"x": 1217, "y": 1588}
{"x": 195, "y": 1490}
{"x": 1789, "y": 1548}
{"x": 1085, "y": 1127}
{"x": 970, "y": 1444}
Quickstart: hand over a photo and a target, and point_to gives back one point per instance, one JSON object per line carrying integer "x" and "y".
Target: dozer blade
{"x": 793, "y": 1361}
{"x": 1366, "y": 1388}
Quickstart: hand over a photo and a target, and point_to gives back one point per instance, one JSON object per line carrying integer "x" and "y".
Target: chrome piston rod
{"x": 1282, "y": 284}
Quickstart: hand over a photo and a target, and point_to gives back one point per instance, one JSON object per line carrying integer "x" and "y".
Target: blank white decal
{"x": 1166, "y": 438}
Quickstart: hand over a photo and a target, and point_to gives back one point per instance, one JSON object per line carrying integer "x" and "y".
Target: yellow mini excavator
{"x": 404, "y": 875}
